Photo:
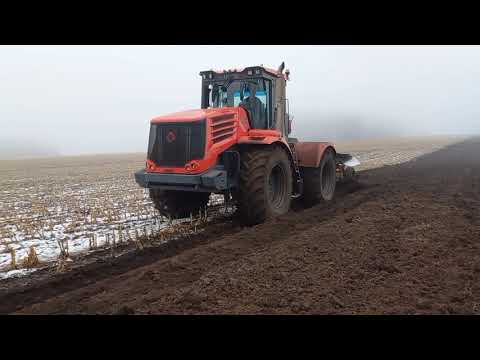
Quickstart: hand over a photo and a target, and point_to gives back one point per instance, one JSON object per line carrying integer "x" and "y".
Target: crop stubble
{"x": 85, "y": 202}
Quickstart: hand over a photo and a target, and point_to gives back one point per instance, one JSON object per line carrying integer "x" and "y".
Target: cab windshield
{"x": 239, "y": 93}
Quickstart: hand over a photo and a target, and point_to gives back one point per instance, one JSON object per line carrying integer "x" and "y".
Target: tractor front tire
{"x": 178, "y": 204}
{"x": 319, "y": 183}
{"x": 265, "y": 188}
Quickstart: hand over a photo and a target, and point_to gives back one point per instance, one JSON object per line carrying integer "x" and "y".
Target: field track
{"x": 405, "y": 240}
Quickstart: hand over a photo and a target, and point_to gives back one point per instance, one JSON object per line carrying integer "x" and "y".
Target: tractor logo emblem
{"x": 171, "y": 137}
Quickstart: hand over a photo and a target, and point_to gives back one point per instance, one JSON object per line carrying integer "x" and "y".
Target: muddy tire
{"x": 319, "y": 183}
{"x": 178, "y": 204}
{"x": 265, "y": 188}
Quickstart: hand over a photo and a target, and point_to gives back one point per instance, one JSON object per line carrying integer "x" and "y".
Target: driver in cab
{"x": 255, "y": 108}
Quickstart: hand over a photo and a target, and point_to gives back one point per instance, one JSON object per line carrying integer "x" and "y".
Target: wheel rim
{"x": 277, "y": 186}
{"x": 328, "y": 179}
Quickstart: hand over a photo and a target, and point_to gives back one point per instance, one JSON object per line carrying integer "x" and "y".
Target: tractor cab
{"x": 259, "y": 90}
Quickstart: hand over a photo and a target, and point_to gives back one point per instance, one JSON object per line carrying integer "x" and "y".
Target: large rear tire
{"x": 319, "y": 183}
{"x": 178, "y": 204}
{"x": 265, "y": 188}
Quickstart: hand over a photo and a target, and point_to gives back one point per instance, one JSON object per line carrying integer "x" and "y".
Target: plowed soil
{"x": 404, "y": 240}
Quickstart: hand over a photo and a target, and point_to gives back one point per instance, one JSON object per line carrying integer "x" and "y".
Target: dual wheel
{"x": 265, "y": 187}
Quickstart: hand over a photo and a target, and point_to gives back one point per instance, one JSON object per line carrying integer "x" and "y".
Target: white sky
{"x": 91, "y": 99}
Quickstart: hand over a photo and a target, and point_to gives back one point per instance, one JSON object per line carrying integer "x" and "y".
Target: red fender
{"x": 309, "y": 153}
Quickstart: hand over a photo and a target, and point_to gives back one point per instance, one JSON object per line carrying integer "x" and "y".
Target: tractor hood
{"x": 193, "y": 115}
{"x": 190, "y": 142}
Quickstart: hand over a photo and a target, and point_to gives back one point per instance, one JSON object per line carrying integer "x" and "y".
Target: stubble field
{"x": 75, "y": 205}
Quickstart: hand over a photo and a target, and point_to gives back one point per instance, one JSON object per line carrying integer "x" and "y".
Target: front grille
{"x": 222, "y": 127}
{"x": 175, "y": 144}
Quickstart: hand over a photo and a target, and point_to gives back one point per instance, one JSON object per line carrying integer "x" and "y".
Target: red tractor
{"x": 237, "y": 144}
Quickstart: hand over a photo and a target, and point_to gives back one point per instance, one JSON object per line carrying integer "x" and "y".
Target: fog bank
{"x": 97, "y": 99}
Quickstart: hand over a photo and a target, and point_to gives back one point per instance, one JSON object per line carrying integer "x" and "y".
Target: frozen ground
{"x": 375, "y": 153}
{"x": 84, "y": 202}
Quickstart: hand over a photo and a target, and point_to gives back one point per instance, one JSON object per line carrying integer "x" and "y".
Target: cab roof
{"x": 261, "y": 68}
